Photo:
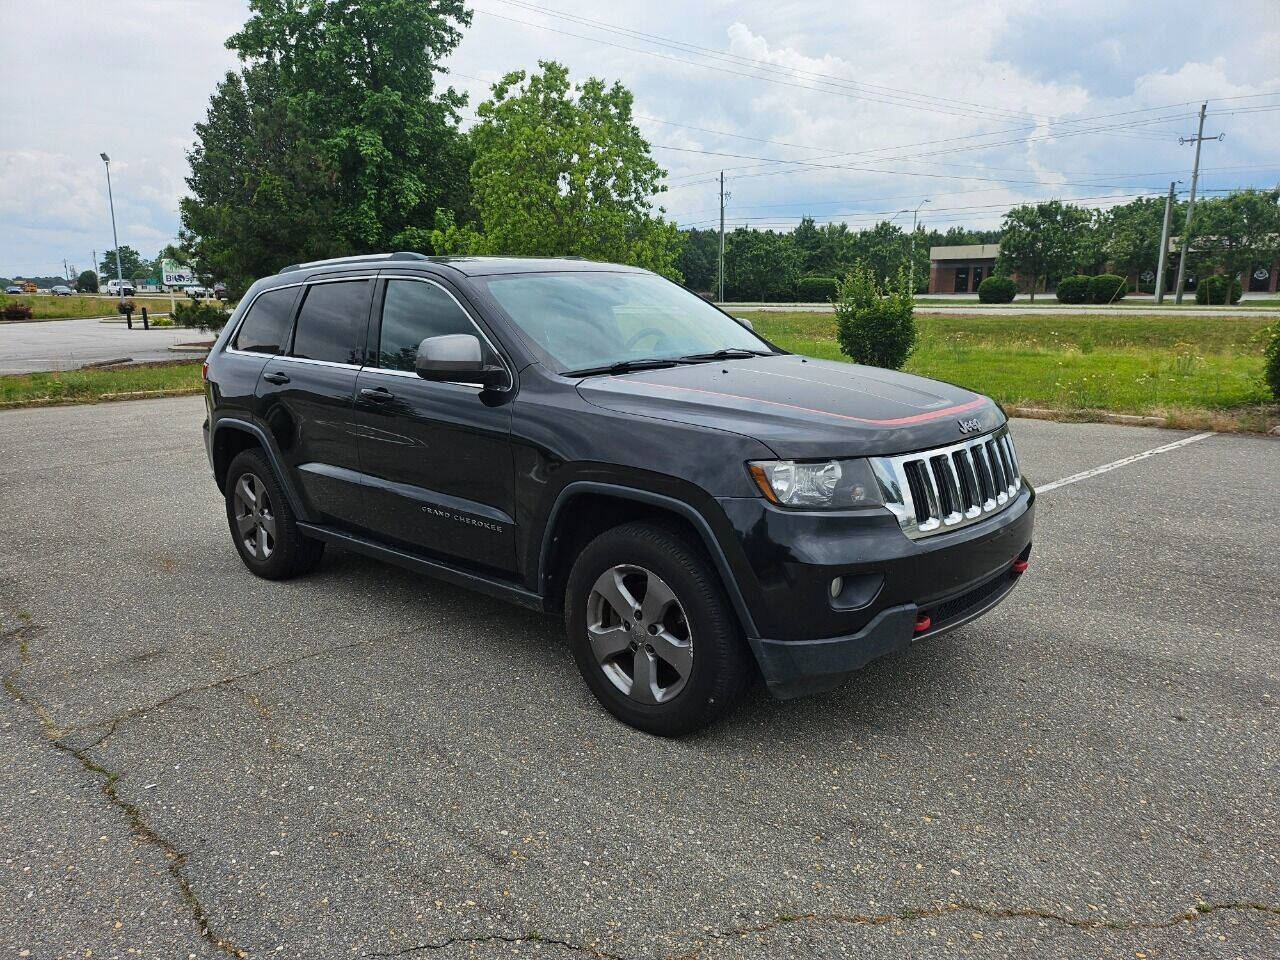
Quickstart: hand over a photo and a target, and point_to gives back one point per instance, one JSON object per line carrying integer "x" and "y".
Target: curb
{"x": 1087, "y": 416}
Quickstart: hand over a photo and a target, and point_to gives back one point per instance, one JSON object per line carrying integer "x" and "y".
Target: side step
{"x": 502, "y": 589}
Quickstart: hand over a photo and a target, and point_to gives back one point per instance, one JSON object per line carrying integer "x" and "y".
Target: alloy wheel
{"x": 639, "y": 634}
{"x": 255, "y": 520}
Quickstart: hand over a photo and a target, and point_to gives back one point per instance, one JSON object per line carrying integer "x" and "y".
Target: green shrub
{"x": 997, "y": 289}
{"x": 200, "y": 315}
{"x": 1107, "y": 288}
{"x": 16, "y": 311}
{"x": 1272, "y": 355}
{"x": 1213, "y": 289}
{"x": 1073, "y": 289}
{"x": 816, "y": 289}
{"x": 875, "y": 324}
{"x": 161, "y": 321}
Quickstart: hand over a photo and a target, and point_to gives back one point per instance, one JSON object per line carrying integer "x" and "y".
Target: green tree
{"x": 1239, "y": 231}
{"x": 699, "y": 257}
{"x": 563, "y": 170}
{"x": 87, "y": 282}
{"x": 760, "y": 265}
{"x": 808, "y": 241}
{"x": 331, "y": 139}
{"x": 132, "y": 266}
{"x": 1038, "y": 242}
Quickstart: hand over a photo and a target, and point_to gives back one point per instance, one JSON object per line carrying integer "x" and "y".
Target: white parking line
{"x": 1107, "y": 467}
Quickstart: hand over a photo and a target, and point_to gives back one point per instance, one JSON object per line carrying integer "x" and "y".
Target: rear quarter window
{"x": 267, "y": 324}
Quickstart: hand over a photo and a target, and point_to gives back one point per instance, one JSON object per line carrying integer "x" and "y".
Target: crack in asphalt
{"x": 501, "y": 938}
{"x": 175, "y": 859}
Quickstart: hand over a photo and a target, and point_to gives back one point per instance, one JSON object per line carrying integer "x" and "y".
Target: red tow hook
{"x": 923, "y": 622}
{"x": 1019, "y": 566}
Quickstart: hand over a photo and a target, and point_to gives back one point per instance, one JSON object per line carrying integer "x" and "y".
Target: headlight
{"x": 822, "y": 484}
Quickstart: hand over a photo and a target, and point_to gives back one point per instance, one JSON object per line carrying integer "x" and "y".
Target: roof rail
{"x": 398, "y": 255}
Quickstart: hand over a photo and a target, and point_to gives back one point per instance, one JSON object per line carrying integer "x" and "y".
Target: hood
{"x": 801, "y": 407}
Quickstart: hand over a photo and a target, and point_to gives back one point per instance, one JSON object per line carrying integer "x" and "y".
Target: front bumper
{"x": 805, "y": 641}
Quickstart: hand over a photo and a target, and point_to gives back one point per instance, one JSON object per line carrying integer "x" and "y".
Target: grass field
{"x": 91, "y": 386}
{"x": 1194, "y": 370}
{"x": 45, "y": 307}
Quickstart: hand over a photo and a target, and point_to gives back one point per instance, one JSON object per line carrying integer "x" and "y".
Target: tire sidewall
{"x": 712, "y": 625}
{"x": 280, "y": 563}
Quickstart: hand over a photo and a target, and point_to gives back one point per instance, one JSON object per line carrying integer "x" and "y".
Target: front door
{"x": 962, "y": 280}
{"x": 436, "y": 457}
{"x": 306, "y": 396}
{"x": 977, "y": 278}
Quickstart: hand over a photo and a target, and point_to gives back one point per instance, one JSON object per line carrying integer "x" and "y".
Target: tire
{"x": 266, "y": 537}
{"x": 686, "y": 646}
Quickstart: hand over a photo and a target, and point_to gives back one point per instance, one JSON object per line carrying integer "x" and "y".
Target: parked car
{"x": 594, "y": 441}
{"x": 196, "y": 292}
{"x": 220, "y": 291}
{"x": 13, "y": 288}
{"x": 114, "y": 288}
{"x": 60, "y": 290}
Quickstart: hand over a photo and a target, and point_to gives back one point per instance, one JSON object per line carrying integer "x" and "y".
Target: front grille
{"x": 950, "y": 487}
{"x": 959, "y": 606}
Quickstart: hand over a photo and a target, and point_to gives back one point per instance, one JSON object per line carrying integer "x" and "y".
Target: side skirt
{"x": 501, "y": 589}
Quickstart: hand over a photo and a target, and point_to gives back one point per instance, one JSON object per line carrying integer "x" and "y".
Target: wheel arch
{"x": 586, "y": 508}
{"x": 232, "y": 436}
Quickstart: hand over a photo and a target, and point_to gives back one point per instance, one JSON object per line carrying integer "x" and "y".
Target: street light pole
{"x": 911, "y": 268}
{"x": 114, "y": 238}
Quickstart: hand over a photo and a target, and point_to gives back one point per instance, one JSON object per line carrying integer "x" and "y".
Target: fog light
{"x": 837, "y": 587}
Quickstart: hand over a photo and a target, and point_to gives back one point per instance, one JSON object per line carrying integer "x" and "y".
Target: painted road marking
{"x": 1107, "y": 467}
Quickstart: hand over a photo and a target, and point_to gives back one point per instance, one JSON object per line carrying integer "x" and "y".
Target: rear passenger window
{"x": 412, "y": 311}
{"x": 267, "y": 324}
{"x": 332, "y": 321}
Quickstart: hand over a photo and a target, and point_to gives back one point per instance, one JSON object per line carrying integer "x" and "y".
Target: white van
{"x": 113, "y": 288}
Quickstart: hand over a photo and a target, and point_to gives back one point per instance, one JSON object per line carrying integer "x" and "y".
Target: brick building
{"x": 961, "y": 269}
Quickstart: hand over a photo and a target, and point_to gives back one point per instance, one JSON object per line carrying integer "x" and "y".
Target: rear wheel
{"x": 263, "y": 527}
{"x": 652, "y": 630}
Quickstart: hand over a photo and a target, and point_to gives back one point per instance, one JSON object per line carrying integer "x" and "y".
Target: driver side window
{"x": 413, "y": 310}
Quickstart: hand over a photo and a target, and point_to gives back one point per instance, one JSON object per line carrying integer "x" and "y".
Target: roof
{"x": 468, "y": 266}
{"x": 972, "y": 251}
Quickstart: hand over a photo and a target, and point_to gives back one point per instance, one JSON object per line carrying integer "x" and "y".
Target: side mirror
{"x": 459, "y": 358}
{"x": 745, "y": 322}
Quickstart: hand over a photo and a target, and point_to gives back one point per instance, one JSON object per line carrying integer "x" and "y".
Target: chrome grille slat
{"x": 950, "y": 487}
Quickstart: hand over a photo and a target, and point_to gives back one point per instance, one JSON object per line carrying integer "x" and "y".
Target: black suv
{"x": 593, "y": 440}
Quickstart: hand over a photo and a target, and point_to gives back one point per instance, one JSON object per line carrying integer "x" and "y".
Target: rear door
{"x": 306, "y": 396}
{"x": 436, "y": 456}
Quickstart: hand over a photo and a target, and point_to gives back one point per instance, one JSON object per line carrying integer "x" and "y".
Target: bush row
{"x": 1104, "y": 288}
{"x": 15, "y": 311}
{"x": 1213, "y": 289}
{"x": 200, "y": 315}
{"x": 1272, "y": 354}
{"x": 997, "y": 289}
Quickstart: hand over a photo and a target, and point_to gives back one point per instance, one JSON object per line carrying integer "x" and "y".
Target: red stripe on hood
{"x": 894, "y": 422}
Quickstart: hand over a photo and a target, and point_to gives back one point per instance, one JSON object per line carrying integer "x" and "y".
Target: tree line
{"x": 336, "y": 137}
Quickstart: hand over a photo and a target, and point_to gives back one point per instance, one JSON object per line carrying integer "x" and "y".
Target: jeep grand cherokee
{"x": 594, "y": 441}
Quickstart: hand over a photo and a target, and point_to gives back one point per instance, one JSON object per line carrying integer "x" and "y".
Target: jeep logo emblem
{"x": 970, "y": 426}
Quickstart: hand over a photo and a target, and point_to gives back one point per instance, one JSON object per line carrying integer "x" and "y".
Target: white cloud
{"x": 132, "y": 77}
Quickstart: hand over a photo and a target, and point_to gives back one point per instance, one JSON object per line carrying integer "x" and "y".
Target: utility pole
{"x": 720, "y": 275}
{"x": 94, "y": 265}
{"x": 911, "y": 267}
{"x": 1164, "y": 243}
{"x": 114, "y": 237}
{"x": 1191, "y": 202}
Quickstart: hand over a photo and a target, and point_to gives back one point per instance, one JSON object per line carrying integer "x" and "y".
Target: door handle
{"x": 276, "y": 376}
{"x": 377, "y": 394}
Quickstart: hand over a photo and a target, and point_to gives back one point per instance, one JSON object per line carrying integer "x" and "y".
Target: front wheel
{"x": 652, "y": 631}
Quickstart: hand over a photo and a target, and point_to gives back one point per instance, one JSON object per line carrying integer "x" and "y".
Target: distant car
{"x": 197, "y": 292}
{"x": 13, "y": 288}
{"x": 116, "y": 289}
{"x": 60, "y": 291}
{"x": 220, "y": 291}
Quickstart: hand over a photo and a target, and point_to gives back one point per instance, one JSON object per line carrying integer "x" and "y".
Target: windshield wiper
{"x": 729, "y": 353}
{"x": 623, "y": 366}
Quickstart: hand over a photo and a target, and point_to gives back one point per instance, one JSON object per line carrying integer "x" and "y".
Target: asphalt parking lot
{"x": 196, "y": 763}
{"x": 67, "y": 344}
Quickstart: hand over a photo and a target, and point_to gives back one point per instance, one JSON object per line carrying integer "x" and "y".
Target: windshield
{"x": 590, "y": 320}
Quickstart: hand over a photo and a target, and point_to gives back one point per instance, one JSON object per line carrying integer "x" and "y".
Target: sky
{"x": 856, "y": 111}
